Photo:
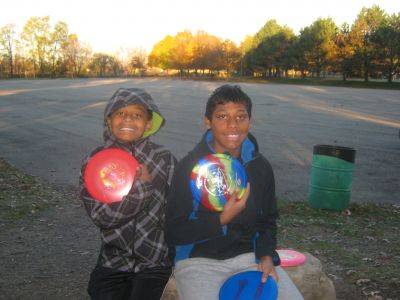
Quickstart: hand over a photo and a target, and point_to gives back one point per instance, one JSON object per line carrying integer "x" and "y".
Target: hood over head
{"x": 127, "y": 96}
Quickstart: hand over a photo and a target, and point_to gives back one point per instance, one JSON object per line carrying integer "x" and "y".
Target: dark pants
{"x": 110, "y": 284}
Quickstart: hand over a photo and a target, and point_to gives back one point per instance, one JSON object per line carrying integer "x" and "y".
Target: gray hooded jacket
{"x": 132, "y": 231}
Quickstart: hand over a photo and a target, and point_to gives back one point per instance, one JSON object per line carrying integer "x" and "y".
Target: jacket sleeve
{"x": 267, "y": 216}
{"x": 182, "y": 226}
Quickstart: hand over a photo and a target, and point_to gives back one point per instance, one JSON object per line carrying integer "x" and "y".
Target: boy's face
{"x": 129, "y": 123}
{"x": 230, "y": 124}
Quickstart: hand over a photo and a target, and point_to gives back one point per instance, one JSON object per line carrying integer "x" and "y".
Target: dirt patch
{"x": 48, "y": 245}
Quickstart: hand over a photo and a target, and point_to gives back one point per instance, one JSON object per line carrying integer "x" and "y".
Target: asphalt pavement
{"x": 48, "y": 126}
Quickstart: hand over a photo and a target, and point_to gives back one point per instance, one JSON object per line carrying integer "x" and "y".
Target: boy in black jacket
{"x": 212, "y": 246}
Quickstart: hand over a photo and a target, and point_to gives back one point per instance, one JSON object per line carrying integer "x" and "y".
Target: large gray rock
{"x": 170, "y": 290}
{"x": 310, "y": 279}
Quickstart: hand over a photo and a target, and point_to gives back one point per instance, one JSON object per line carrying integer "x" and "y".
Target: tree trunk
{"x": 366, "y": 69}
{"x": 391, "y": 67}
{"x": 366, "y": 76}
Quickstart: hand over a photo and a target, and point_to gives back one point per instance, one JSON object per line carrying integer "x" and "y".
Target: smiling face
{"x": 230, "y": 124}
{"x": 129, "y": 123}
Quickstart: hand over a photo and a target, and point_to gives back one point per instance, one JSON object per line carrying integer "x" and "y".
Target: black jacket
{"x": 254, "y": 229}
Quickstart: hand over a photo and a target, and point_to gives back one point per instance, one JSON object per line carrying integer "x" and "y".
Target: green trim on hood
{"x": 157, "y": 122}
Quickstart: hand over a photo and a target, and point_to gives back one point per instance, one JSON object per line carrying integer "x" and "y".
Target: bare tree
{"x": 58, "y": 37}
{"x": 137, "y": 60}
{"x": 8, "y": 42}
{"x": 36, "y": 35}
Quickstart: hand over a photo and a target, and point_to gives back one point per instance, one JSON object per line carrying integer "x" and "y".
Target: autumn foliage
{"x": 369, "y": 48}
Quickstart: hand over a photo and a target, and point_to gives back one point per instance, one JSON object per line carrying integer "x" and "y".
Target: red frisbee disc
{"x": 109, "y": 175}
{"x": 291, "y": 258}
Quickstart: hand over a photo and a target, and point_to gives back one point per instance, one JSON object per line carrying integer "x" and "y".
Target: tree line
{"x": 368, "y": 48}
{"x": 41, "y": 50}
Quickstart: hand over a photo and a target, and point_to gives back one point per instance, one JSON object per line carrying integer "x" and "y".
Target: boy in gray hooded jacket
{"x": 134, "y": 260}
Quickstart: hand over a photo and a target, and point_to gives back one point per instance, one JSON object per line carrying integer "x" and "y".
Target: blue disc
{"x": 247, "y": 285}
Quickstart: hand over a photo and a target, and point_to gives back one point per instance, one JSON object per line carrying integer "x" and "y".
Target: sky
{"x": 114, "y": 25}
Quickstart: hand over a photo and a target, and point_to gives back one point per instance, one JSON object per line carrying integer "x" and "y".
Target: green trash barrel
{"x": 331, "y": 177}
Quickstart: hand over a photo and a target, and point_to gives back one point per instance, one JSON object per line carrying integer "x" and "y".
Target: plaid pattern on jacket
{"x": 132, "y": 231}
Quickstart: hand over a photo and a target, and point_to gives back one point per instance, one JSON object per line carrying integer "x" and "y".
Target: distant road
{"x": 48, "y": 126}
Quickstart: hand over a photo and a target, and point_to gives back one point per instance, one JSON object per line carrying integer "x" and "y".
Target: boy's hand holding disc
{"x": 142, "y": 173}
{"x": 109, "y": 175}
{"x": 234, "y": 206}
{"x": 266, "y": 266}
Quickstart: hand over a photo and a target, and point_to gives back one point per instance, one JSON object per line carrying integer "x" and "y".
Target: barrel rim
{"x": 345, "y": 153}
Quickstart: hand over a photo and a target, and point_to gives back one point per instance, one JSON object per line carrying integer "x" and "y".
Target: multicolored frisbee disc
{"x": 248, "y": 285}
{"x": 109, "y": 175}
{"x": 291, "y": 258}
{"x": 214, "y": 179}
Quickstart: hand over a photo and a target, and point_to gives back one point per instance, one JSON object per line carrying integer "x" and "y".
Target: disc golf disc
{"x": 291, "y": 258}
{"x": 215, "y": 178}
{"x": 109, "y": 175}
{"x": 248, "y": 285}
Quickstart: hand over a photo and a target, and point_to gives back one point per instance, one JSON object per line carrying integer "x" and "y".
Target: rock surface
{"x": 310, "y": 279}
